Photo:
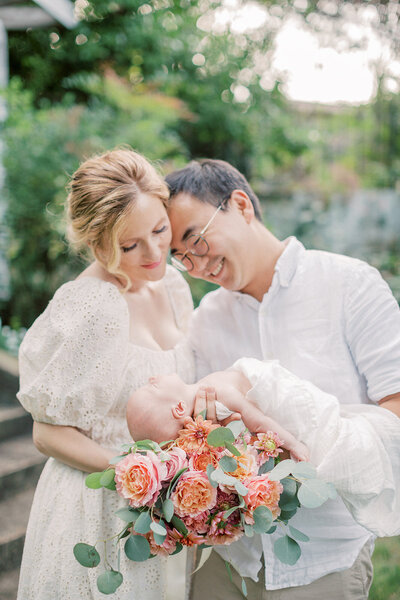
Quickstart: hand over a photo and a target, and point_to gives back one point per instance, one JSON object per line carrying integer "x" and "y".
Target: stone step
{"x": 14, "y": 420}
{"x": 8, "y": 379}
{"x": 9, "y": 584}
{"x": 20, "y": 465}
{"x": 14, "y": 515}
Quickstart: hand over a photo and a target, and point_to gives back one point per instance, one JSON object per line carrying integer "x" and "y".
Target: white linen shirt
{"x": 329, "y": 319}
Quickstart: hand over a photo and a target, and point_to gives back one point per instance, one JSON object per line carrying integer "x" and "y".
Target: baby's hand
{"x": 299, "y": 452}
{"x": 205, "y": 400}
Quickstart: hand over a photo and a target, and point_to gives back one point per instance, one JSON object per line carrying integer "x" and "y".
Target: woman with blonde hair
{"x": 101, "y": 337}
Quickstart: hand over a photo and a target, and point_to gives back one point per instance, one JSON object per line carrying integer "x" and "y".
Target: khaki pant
{"x": 212, "y": 582}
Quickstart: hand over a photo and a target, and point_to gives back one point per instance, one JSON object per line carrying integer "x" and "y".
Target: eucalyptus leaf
{"x": 217, "y": 437}
{"x": 230, "y": 511}
{"x": 116, "y": 459}
{"x": 92, "y": 481}
{"x": 210, "y": 470}
{"x": 203, "y": 413}
{"x": 313, "y": 493}
{"x": 304, "y": 469}
{"x": 287, "y": 514}
{"x": 219, "y": 476}
{"x": 86, "y": 555}
{"x": 267, "y": 466}
{"x": 241, "y": 489}
{"x": 158, "y": 528}
{"x": 228, "y": 464}
{"x": 262, "y": 519}
{"x": 143, "y": 522}
{"x": 159, "y": 539}
{"x": 109, "y": 582}
{"x": 179, "y": 525}
{"x": 178, "y": 548}
{"x": 168, "y": 509}
{"x": 288, "y": 499}
{"x": 244, "y": 588}
{"x": 229, "y": 569}
{"x": 287, "y": 550}
{"x": 107, "y": 477}
{"x": 232, "y": 449}
{"x": 282, "y": 470}
{"x": 236, "y": 427}
{"x": 248, "y": 530}
{"x": 174, "y": 481}
{"x": 127, "y": 514}
{"x": 137, "y": 548}
{"x": 272, "y": 529}
{"x": 205, "y": 555}
{"x": 298, "y": 535}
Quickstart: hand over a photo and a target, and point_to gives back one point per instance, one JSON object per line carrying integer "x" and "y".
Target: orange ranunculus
{"x": 193, "y": 494}
{"x": 263, "y": 492}
{"x": 193, "y": 438}
{"x": 247, "y": 464}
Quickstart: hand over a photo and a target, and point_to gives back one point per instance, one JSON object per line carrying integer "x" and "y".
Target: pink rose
{"x": 138, "y": 478}
{"x": 177, "y": 461}
{"x": 193, "y": 494}
{"x": 262, "y": 492}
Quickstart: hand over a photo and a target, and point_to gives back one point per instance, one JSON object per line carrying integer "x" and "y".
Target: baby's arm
{"x": 257, "y": 422}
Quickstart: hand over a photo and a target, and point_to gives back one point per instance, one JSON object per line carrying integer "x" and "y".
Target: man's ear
{"x": 240, "y": 199}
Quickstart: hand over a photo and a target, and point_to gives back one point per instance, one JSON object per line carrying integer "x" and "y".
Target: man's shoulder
{"x": 329, "y": 262}
{"x": 214, "y": 303}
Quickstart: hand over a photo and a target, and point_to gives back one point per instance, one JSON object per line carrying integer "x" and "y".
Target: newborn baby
{"x": 158, "y": 410}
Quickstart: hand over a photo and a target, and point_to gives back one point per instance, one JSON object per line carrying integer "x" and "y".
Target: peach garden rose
{"x": 138, "y": 478}
{"x": 262, "y": 491}
{"x": 193, "y": 494}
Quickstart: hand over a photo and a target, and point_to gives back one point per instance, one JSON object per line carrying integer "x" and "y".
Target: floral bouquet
{"x": 208, "y": 487}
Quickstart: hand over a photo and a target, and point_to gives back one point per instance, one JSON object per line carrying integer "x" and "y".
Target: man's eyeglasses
{"x": 196, "y": 245}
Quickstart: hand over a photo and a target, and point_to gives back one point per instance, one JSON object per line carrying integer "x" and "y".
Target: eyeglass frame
{"x": 178, "y": 262}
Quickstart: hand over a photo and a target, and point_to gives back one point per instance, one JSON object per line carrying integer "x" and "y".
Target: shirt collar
{"x": 286, "y": 264}
{"x": 285, "y": 269}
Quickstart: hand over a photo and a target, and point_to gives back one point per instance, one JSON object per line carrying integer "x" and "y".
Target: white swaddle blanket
{"x": 354, "y": 446}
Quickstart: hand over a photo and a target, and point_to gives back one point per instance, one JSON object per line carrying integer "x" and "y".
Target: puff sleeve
{"x": 72, "y": 359}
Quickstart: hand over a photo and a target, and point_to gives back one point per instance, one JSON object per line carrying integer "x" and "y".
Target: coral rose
{"x": 193, "y": 494}
{"x": 262, "y": 492}
{"x": 177, "y": 460}
{"x": 138, "y": 478}
{"x": 247, "y": 463}
{"x": 193, "y": 438}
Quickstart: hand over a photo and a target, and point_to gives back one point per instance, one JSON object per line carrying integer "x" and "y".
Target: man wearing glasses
{"x": 330, "y": 319}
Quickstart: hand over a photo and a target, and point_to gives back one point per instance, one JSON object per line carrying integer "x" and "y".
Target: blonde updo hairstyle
{"x": 102, "y": 192}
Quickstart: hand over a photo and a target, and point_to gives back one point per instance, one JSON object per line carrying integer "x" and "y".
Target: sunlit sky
{"x": 311, "y": 72}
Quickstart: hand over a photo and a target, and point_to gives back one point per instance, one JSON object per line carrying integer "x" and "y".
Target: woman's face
{"x": 145, "y": 240}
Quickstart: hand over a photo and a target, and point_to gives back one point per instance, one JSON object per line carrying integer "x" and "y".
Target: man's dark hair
{"x": 211, "y": 181}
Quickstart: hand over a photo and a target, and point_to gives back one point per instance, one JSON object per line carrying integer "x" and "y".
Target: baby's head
{"x": 157, "y": 410}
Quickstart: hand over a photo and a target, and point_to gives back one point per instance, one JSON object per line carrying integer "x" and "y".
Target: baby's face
{"x": 158, "y": 409}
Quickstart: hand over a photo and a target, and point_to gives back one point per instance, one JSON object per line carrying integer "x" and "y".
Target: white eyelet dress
{"x": 78, "y": 368}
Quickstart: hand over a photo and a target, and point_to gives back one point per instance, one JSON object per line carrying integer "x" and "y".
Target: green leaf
{"x": 168, "y": 509}
{"x": 177, "y": 549}
{"x": 127, "y": 514}
{"x": 232, "y": 449}
{"x": 241, "y": 489}
{"x": 217, "y": 437}
{"x": 203, "y": 413}
{"x": 174, "y": 481}
{"x": 248, "y": 530}
{"x": 137, "y": 548}
{"x": 158, "y": 528}
{"x": 228, "y": 512}
{"x": 179, "y": 525}
{"x": 124, "y": 533}
{"x": 313, "y": 493}
{"x": 262, "y": 519}
{"x": 109, "y": 582}
{"x": 304, "y": 469}
{"x": 272, "y": 529}
{"x": 143, "y": 522}
{"x": 287, "y": 514}
{"x": 159, "y": 539}
{"x": 288, "y": 499}
{"x": 86, "y": 555}
{"x": 287, "y": 550}
{"x": 244, "y": 588}
{"x": 219, "y": 476}
{"x": 107, "y": 477}
{"x": 93, "y": 481}
{"x": 116, "y": 459}
{"x": 267, "y": 466}
{"x": 228, "y": 464}
{"x": 236, "y": 427}
{"x": 282, "y": 470}
{"x": 298, "y": 535}
{"x": 210, "y": 470}
{"x": 229, "y": 569}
